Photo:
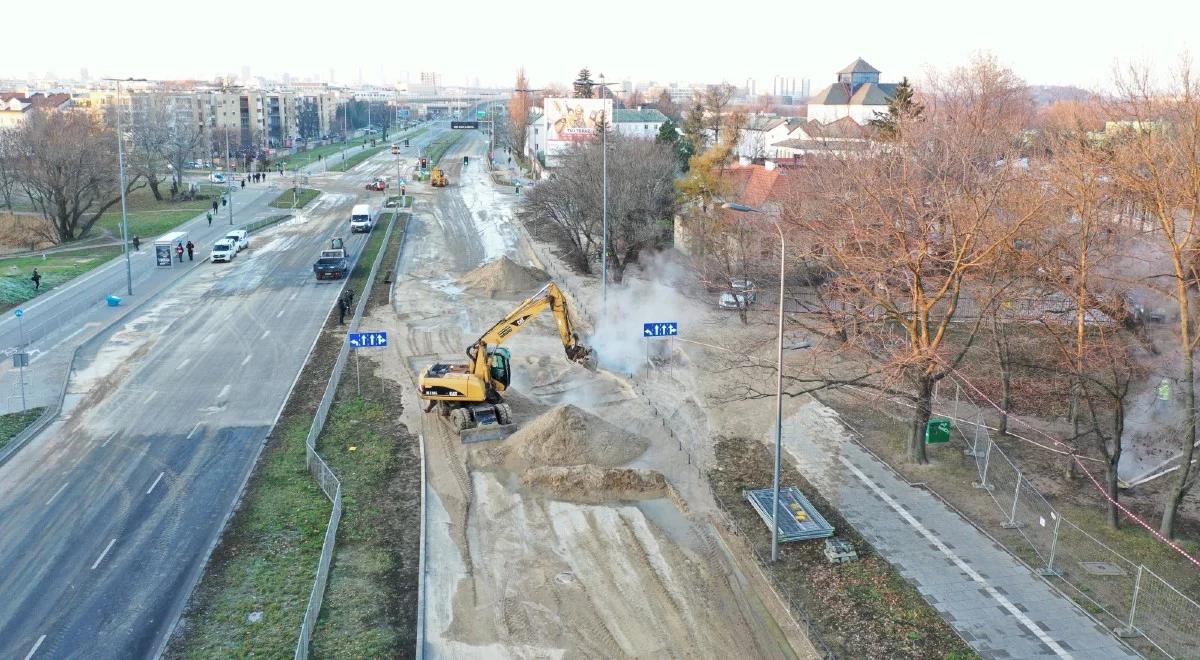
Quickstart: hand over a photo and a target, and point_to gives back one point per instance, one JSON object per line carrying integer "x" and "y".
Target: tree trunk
{"x": 921, "y": 414}
{"x": 153, "y": 181}
{"x": 1110, "y": 478}
{"x": 1180, "y": 488}
{"x": 1005, "y": 398}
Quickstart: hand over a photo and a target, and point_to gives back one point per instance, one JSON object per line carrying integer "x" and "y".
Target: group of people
{"x": 191, "y": 249}
{"x": 344, "y": 303}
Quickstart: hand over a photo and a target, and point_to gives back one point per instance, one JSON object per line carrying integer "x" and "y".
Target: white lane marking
{"x": 160, "y": 476}
{"x": 36, "y": 646}
{"x": 246, "y": 360}
{"x": 264, "y": 335}
{"x": 151, "y": 396}
{"x": 206, "y": 339}
{"x": 962, "y": 566}
{"x": 293, "y": 296}
{"x": 102, "y": 554}
{"x": 193, "y": 431}
{"x": 110, "y": 438}
{"x": 57, "y": 493}
{"x": 183, "y": 364}
{"x": 223, "y": 392}
{"x": 281, "y": 312}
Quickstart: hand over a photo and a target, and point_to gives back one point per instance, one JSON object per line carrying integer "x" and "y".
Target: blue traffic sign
{"x": 18, "y": 312}
{"x": 662, "y": 329}
{"x": 368, "y": 339}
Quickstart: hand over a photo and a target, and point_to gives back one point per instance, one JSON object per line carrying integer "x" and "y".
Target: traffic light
{"x": 424, "y": 163}
{"x": 406, "y": 142}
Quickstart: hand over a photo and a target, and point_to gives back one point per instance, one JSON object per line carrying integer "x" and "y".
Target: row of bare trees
{"x": 961, "y": 238}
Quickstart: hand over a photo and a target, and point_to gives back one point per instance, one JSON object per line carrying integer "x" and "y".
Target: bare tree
{"x": 907, "y": 228}
{"x": 1157, "y": 170}
{"x": 8, "y": 167}
{"x": 149, "y": 132}
{"x": 640, "y": 200}
{"x": 518, "y": 112}
{"x": 716, "y": 100}
{"x": 67, "y": 165}
{"x": 182, "y": 144}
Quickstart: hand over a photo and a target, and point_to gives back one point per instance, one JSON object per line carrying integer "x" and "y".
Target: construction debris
{"x": 503, "y": 278}
{"x": 589, "y": 484}
{"x": 840, "y": 551}
{"x": 564, "y": 435}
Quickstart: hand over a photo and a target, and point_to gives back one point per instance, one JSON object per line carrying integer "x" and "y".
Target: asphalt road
{"x": 107, "y": 516}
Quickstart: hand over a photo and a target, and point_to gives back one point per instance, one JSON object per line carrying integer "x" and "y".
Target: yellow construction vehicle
{"x": 437, "y": 178}
{"x": 469, "y": 394}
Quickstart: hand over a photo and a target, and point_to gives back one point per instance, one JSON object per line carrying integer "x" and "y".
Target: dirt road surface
{"x": 511, "y": 573}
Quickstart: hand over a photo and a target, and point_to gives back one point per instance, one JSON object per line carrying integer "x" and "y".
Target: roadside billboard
{"x": 569, "y": 121}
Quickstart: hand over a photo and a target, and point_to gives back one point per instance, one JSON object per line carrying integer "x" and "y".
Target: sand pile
{"x": 564, "y": 435}
{"x": 503, "y": 277}
{"x": 589, "y": 484}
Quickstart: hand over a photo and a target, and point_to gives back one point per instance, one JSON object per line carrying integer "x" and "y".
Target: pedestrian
{"x": 210, "y": 215}
{"x": 243, "y": 184}
{"x": 341, "y": 311}
{"x": 179, "y": 251}
{"x": 137, "y": 244}
{"x": 348, "y": 296}
{"x": 37, "y": 280}
{"x": 191, "y": 247}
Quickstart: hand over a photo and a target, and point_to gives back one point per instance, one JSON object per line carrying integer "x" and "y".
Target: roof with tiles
{"x": 638, "y": 115}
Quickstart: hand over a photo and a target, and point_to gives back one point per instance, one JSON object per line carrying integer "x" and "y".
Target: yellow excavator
{"x": 437, "y": 178}
{"x": 469, "y": 394}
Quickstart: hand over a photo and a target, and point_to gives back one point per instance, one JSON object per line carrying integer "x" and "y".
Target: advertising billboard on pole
{"x": 569, "y": 121}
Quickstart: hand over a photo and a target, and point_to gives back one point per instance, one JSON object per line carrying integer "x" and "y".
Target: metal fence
{"x": 1127, "y": 595}
{"x": 330, "y": 484}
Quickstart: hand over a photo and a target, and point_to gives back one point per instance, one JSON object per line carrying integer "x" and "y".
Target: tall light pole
{"x": 604, "y": 202}
{"x": 228, "y": 179}
{"x": 778, "y": 382}
{"x": 121, "y": 167}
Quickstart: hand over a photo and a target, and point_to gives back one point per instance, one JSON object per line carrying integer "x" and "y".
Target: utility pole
{"x": 124, "y": 208}
{"x": 604, "y": 201}
{"x": 228, "y": 179}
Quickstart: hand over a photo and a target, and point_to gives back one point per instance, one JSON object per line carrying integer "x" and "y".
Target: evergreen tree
{"x": 584, "y": 85}
{"x": 668, "y": 133}
{"x": 901, "y": 108}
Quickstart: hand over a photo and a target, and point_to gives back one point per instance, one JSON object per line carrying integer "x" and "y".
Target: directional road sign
{"x": 18, "y": 312}
{"x": 661, "y": 329}
{"x": 368, "y": 339}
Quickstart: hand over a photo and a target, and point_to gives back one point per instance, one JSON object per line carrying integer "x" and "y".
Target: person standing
{"x": 210, "y": 216}
{"x": 137, "y": 244}
{"x": 341, "y": 311}
{"x": 179, "y": 251}
{"x": 191, "y": 248}
{"x": 37, "y": 280}
{"x": 348, "y": 297}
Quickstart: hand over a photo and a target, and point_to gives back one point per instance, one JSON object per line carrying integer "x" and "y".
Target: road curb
{"x": 55, "y": 408}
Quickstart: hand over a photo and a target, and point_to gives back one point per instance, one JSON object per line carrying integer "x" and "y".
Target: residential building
{"x": 812, "y": 137}
{"x": 638, "y": 122}
{"x": 761, "y": 132}
{"x": 857, "y": 94}
{"x": 756, "y": 186}
{"x": 15, "y": 106}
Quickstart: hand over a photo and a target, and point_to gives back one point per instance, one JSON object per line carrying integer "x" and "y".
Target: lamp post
{"x": 604, "y": 198}
{"x": 742, "y": 208}
{"x": 121, "y": 167}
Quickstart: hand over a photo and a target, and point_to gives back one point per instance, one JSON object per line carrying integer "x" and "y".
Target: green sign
{"x": 1164, "y": 390}
{"x": 937, "y": 431}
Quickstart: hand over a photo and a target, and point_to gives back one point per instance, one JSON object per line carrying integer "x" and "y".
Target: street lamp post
{"x": 228, "y": 179}
{"x": 121, "y": 167}
{"x": 778, "y": 382}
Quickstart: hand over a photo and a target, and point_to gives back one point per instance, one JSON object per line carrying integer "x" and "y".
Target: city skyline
{"x": 1046, "y": 44}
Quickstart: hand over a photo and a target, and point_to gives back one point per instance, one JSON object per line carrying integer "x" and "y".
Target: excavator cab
{"x": 499, "y": 367}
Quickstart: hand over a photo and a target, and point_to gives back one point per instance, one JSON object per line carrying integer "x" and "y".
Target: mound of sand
{"x": 503, "y": 277}
{"x": 564, "y": 435}
{"x": 589, "y": 484}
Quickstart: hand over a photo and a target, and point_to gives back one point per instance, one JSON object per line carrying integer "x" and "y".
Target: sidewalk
{"x": 1001, "y": 608}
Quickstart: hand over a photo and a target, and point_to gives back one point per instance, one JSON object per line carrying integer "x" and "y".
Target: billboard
{"x": 573, "y": 120}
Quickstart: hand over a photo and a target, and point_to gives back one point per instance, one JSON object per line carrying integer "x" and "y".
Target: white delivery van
{"x": 240, "y": 239}
{"x": 164, "y": 247}
{"x": 360, "y": 219}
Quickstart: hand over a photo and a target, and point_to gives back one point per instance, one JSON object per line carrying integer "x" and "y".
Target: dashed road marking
{"x": 293, "y": 296}
{"x": 57, "y": 493}
{"x": 102, "y": 554}
{"x": 962, "y": 565}
{"x": 193, "y": 431}
{"x": 183, "y": 364}
{"x": 151, "y": 396}
{"x": 151, "y": 489}
{"x": 224, "y": 391}
{"x": 246, "y": 360}
{"x": 36, "y": 646}
{"x": 110, "y": 439}
{"x": 281, "y": 312}
{"x": 264, "y": 334}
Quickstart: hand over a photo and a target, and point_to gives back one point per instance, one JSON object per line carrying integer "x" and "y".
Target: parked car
{"x": 224, "y": 250}
{"x": 240, "y": 239}
{"x": 217, "y": 177}
{"x": 740, "y": 295}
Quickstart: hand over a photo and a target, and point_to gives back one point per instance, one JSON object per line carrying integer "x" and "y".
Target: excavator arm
{"x": 550, "y": 297}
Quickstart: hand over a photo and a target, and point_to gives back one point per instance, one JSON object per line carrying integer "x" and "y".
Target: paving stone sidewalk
{"x": 997, "y": 604}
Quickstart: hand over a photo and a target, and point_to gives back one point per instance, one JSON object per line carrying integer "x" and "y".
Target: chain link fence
{"x": 1134, "y": 601}
{"x": 330, "y": 484}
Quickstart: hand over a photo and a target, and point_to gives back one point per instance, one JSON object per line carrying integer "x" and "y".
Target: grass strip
{"x": 56, "y": 269}
{"x": 441, "y": 145}
{"x": 252, "y": 596}
{"x": 266, "y": 222}
{"x": 13, "y": 423}
{"x": 349, "y": 163}
{"x": 288, "y": 199}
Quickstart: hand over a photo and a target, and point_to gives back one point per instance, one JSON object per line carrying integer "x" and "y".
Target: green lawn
{"x": 13, "y": 423}
{"x": 149, "y": 218}
{"x": 356, "y": 158}
{"x": 286, "y": 198}
{"x": 441, "y": 145}
{"x": 268, "y": 556}
{"x": 56, "y": 269}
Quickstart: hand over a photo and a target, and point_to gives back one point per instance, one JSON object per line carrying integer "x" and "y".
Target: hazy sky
{"x": 1046, "y": 42}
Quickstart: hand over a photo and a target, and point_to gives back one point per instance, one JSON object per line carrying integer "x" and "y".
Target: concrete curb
{"x": 420, "y": 651}
{"x": 52, "y": 411}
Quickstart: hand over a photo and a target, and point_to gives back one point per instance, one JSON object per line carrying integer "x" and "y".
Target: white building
{"x": 857, "y": 94}
{"x": 761, "y": 132}
{"x": 638, "y": 122}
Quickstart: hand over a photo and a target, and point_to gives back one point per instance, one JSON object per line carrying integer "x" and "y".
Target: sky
{"x": 1056, "y": 42}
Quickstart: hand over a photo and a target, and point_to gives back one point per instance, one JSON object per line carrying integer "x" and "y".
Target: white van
{"x": 239, "y": 238}
{"x": 360, "y": 219}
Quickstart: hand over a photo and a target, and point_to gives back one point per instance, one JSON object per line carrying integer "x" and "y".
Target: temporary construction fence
{"x": 330, "y": 484}
{"x": 1135, "y": 601}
